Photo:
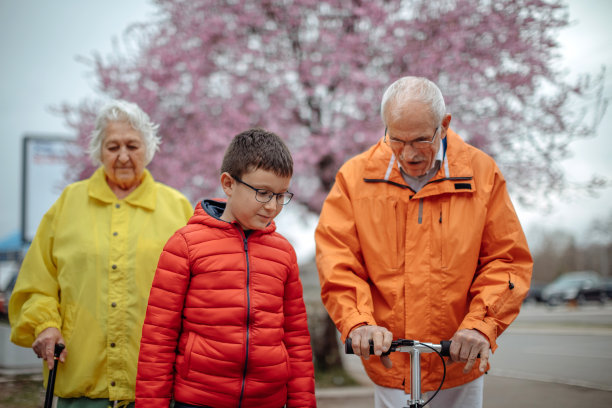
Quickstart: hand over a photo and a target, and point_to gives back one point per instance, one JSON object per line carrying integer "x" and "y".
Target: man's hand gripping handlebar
{"x": 415, "y": 348}
{"x": 405, "y": 345}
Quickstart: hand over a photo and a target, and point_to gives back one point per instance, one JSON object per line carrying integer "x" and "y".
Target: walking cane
{"x": 52, "y": 373}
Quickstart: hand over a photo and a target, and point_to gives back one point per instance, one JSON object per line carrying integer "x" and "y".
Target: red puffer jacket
{"x": 226, "y": 323}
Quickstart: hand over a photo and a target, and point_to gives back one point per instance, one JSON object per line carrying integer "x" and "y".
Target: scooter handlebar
{"x": 444, "y": 346}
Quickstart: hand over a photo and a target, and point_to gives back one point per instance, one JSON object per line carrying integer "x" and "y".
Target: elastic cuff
{"x": 39, "y": 329}
{"x": 354, "y": 321}
{"x": 487, "y": 330}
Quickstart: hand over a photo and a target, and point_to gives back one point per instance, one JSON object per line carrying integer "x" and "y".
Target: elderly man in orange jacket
{"x": 418, "y": 239}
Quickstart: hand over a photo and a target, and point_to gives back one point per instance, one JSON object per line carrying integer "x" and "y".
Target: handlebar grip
{"x": 445, "y": 350}
{"x": 348, "y": 346}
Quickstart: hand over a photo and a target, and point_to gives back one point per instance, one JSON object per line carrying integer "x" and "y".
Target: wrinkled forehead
{"x": 407, "y": 113}
{"x": 121, "y": 131}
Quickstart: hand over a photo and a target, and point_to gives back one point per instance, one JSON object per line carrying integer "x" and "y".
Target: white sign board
{"x": 44, "y": 166}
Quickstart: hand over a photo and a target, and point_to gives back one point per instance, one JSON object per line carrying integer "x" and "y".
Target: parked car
{"x": 8, "y": 276}
{"x": 607, "y": 283}
{"x": 579, "y": 287}
{"x": 535, "y": 293}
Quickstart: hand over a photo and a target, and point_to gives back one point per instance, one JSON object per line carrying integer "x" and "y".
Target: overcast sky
{"x": 40, "y": 39}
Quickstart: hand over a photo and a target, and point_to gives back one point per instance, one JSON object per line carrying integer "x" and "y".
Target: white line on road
{"x": 521, "y": 375}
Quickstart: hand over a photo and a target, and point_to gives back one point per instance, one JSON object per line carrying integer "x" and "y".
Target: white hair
{"x": 413, "y": 89}
{"x": 123, "y": 111}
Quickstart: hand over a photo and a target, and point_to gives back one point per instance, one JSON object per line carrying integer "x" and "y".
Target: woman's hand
{"x": 44, "y": 345}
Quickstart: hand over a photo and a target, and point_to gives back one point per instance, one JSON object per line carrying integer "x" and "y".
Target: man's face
{"x": 414, "y": 123}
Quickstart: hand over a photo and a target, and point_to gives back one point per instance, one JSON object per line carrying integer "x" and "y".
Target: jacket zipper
{"x": 248, "y": 278}
{"x": 420, "y": 210}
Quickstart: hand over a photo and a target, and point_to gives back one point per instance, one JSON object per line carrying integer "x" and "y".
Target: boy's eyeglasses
{"x": 264, "y": 196}
{"x": 419, "y": 144}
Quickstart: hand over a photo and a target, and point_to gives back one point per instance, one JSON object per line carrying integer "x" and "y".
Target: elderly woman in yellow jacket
{"x": 86, "y": 278}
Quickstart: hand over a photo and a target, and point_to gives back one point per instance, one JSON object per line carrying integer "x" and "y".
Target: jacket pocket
{"x": 503, "y": 299}
{"x": 67, "y": 316}
{"x": 287, "y": 362}
{"x": 186, "y": 367}
{"x": 381, "y": 231}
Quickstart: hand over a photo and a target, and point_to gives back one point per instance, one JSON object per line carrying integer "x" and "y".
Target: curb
{"x": 343, "y": 392}
{"x": 522, "y": 376}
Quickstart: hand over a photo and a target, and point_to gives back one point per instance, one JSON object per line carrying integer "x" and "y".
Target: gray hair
{"x": 123, "y": 111}
{"x": 413, "y": 89}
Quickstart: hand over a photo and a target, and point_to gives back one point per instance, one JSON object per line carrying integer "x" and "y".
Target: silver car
{"x": 579, "y": 287}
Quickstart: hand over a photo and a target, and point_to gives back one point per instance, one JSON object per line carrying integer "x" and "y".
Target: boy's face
{"x": 242, "y": 206}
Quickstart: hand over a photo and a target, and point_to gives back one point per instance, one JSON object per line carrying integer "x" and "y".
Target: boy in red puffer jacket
{"x": 226, "y": 323}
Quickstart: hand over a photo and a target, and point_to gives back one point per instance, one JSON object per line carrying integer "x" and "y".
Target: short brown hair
{"x": 257, "y": 149}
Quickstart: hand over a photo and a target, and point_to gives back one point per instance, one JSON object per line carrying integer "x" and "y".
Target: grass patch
{"x": 22, "y": 391}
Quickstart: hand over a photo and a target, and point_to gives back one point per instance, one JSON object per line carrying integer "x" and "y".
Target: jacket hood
{"x": 209, "y": 212}
{"x": 213, "y": 208}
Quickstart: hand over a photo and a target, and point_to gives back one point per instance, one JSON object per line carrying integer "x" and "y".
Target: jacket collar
{"x": 143, "y": 196}
{"x": 209, "y": 212}
{"x": 455, "y": 173}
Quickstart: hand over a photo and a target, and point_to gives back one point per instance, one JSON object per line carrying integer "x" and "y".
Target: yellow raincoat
{"x": 88, "y": 272}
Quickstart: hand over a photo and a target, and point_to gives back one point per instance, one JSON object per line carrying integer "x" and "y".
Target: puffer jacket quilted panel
{"x": 232, "y": 307}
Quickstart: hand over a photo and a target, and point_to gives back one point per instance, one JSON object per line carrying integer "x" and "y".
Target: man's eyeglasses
{"x": 264, "y": 196}
{"x": 419, "y": 144}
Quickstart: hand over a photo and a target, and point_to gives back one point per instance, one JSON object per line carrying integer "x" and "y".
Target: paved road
{"x": 562, "y": 356}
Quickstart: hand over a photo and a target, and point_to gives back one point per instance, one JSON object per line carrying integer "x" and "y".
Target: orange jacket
{"x": 424, "y": 265}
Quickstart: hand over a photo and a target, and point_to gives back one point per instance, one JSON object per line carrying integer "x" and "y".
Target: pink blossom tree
{"x": 314, "y": 72}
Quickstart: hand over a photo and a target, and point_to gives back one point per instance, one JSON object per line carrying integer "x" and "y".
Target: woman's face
{"x": 123, "y": 155}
